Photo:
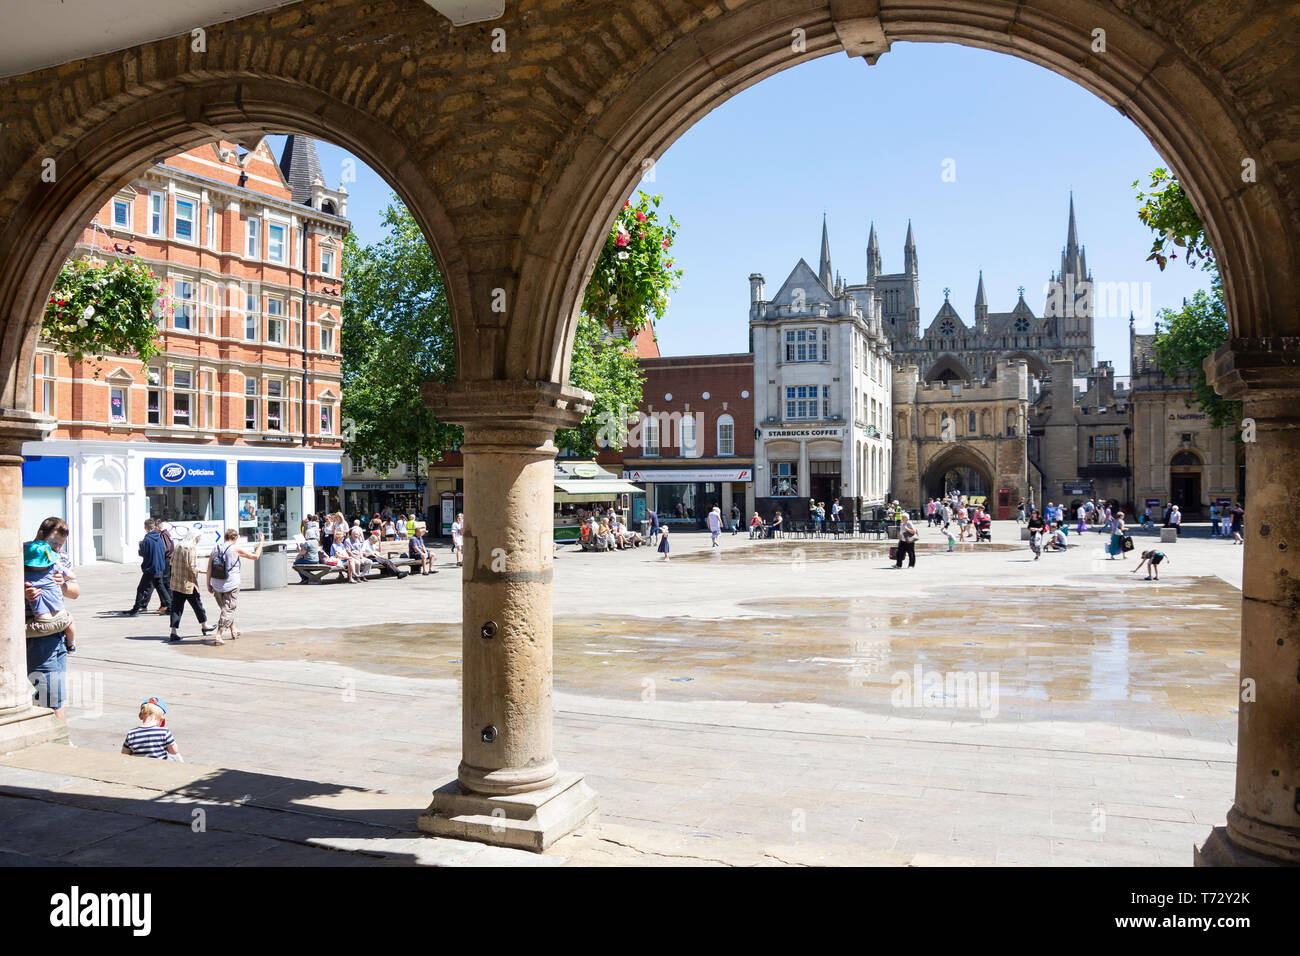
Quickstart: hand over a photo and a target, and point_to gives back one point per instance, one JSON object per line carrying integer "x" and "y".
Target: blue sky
{"x": 749, "y": 182}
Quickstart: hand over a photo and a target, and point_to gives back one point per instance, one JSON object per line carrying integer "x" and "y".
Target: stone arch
{"x": 1150, "y": 72}
{"x": 947, "y": 368}
{"x": 960, "y": 457}
{"x": 43, "y": 221}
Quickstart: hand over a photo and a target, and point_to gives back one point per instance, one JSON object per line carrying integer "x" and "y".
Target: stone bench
{"x": 317, "y": 573}
{"x": 1168, "y": 535}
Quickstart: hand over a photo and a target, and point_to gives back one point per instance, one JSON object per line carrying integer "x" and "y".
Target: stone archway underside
{"x": 515, "y": 164}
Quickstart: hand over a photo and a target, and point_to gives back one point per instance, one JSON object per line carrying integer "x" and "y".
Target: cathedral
{"x": 990, "y": 407}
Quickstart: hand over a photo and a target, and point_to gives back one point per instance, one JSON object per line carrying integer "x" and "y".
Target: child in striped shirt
{"x": 152, "y": 738}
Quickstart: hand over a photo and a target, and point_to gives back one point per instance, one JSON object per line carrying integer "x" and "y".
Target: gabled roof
{"x": 802, "y": 277}
{"x": 946, "y": 311}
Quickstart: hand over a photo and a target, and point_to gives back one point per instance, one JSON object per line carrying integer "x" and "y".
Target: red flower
{"x": 669, "y": 263}
{"x": 667, "y": 242}
{"x": 626, "y": 204}
{"x": 642, "y": 233}
{"x": 622, "y": 240}
{"x": 640, "y": 216}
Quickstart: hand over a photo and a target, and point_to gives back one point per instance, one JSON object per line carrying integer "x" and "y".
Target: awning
{"x": 594, "y": 489}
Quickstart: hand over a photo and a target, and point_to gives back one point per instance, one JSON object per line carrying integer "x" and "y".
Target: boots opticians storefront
{"x": 106, "y": 490}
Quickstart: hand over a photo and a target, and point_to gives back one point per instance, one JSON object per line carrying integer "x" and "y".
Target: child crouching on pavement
{"x": 1153, "y": 558}
{"x": 152, "y": 738}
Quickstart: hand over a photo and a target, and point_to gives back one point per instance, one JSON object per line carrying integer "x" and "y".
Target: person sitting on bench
{"x": 372, "y": 551}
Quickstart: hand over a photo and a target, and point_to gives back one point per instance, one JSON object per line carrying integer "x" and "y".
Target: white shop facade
{"x": 105, "y": 491}
{"x": 683, "y": 496}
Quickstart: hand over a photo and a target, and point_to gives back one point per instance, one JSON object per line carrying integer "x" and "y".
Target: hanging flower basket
{"x": 98, "y": 308}
{"x": 634, "y": 272}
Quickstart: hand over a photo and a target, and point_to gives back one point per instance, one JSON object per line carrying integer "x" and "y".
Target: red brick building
{"x": 236, "y": 422}
{"x": 694, "y": 445}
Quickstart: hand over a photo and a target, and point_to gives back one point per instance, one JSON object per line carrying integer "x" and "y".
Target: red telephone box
{"x": 1004, "y": 503}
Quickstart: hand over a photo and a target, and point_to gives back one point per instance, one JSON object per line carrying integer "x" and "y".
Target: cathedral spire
{"x": 980, "y": 300}
{"x": 824, "y": 267}
{"x": 909, "y": 251}
{"x": 981, "y": 307}
{"x": 1072, "y": 234}
{"x": 873, "y": 254}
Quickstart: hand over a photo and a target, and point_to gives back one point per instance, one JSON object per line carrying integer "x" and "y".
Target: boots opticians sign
{"x": 184, "y": 471}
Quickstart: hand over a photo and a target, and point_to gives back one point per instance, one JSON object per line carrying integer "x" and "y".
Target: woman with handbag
{"x": 907, "y": 535}
{"x": 1116, "y": 547}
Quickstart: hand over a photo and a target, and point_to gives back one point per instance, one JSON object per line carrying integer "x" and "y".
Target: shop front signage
{"x": 379, "y": 486}
{"x": 674, "y": 475}
{"x": 1076, "y": 487}
{"x": 1190, "y": 416}
{"x": 773, "y": 433}
{"x": 184, "y": 471}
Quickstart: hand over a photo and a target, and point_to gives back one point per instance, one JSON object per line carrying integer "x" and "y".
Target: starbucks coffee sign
{"x": 771, "y": 433}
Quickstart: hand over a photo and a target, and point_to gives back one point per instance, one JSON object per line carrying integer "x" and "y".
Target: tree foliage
{"x": 1186, "y": 337}
{"x": 1168, "y": 212}
{"x": 397, "y": 333}
{"x": 99, "y": 307}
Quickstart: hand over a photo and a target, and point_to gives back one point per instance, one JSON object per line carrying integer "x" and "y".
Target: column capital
{"x": 1243, "y": 366}
{"x": 510, "y": 404}
{"x": 17, "y": 426}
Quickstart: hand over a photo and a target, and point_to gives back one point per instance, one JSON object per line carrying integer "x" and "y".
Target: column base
{"x": 525, "y": 821}
{"x": 37, "y": 725}
{"x": 1219, "y": 850}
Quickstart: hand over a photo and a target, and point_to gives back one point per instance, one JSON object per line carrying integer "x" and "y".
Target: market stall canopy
{"x": 586, "y": 481}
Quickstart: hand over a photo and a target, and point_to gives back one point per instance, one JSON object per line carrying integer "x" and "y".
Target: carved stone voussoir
{"x": 507, "y": 404}
{"x": 1245, "y": 365}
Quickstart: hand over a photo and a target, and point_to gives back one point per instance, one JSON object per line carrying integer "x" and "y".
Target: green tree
{"x": 397, "y": 333}
{"x": 1186, "y": 337}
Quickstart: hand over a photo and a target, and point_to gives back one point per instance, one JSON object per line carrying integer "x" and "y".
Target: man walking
{"x": 735, "y": 518}
{"x": 153, "y": 567}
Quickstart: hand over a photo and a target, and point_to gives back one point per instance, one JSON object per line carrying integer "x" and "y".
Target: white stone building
{"x": 822, "y": 392}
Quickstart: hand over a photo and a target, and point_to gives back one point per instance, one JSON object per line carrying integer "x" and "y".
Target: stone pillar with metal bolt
{"x": 509, "y": 789}
{"x": 1263, "y": 826}
{"x": 22, "y": 723}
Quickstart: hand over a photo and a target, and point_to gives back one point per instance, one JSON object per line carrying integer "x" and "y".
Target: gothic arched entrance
{"x": 961, "y": 470}
{"x": 1185, "y": 482}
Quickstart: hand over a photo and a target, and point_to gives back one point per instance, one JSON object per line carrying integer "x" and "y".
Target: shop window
{"x": 675, "y": 501}
{"x": 183, "y": 219}
{"x": 785, "y": 478}
{"x": 186, "y": 502}
{"x": 253, "y": 237}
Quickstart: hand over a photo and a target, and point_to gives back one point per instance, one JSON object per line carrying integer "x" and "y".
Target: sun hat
{"x": 155, "y": 700}
{"x": 38, "y": 554}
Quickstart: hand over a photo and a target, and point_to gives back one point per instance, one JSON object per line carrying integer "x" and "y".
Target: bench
{"x": 317, "y": 573}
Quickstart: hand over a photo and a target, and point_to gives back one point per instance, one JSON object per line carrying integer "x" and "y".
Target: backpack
{"x": 220, "y": 570}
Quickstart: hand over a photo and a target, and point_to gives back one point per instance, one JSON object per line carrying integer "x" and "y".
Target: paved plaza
{"x": 768, "y": 702}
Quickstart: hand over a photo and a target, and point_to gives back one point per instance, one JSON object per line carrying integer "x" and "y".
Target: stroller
{"x": 983, "y": 531}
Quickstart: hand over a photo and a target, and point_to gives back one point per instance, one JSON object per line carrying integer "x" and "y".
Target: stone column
{"x": 509, "y": 789}
{"x": 805, "y": 477}
{"x": 1263, "y": 826}
{"x": 22, "y": 723}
